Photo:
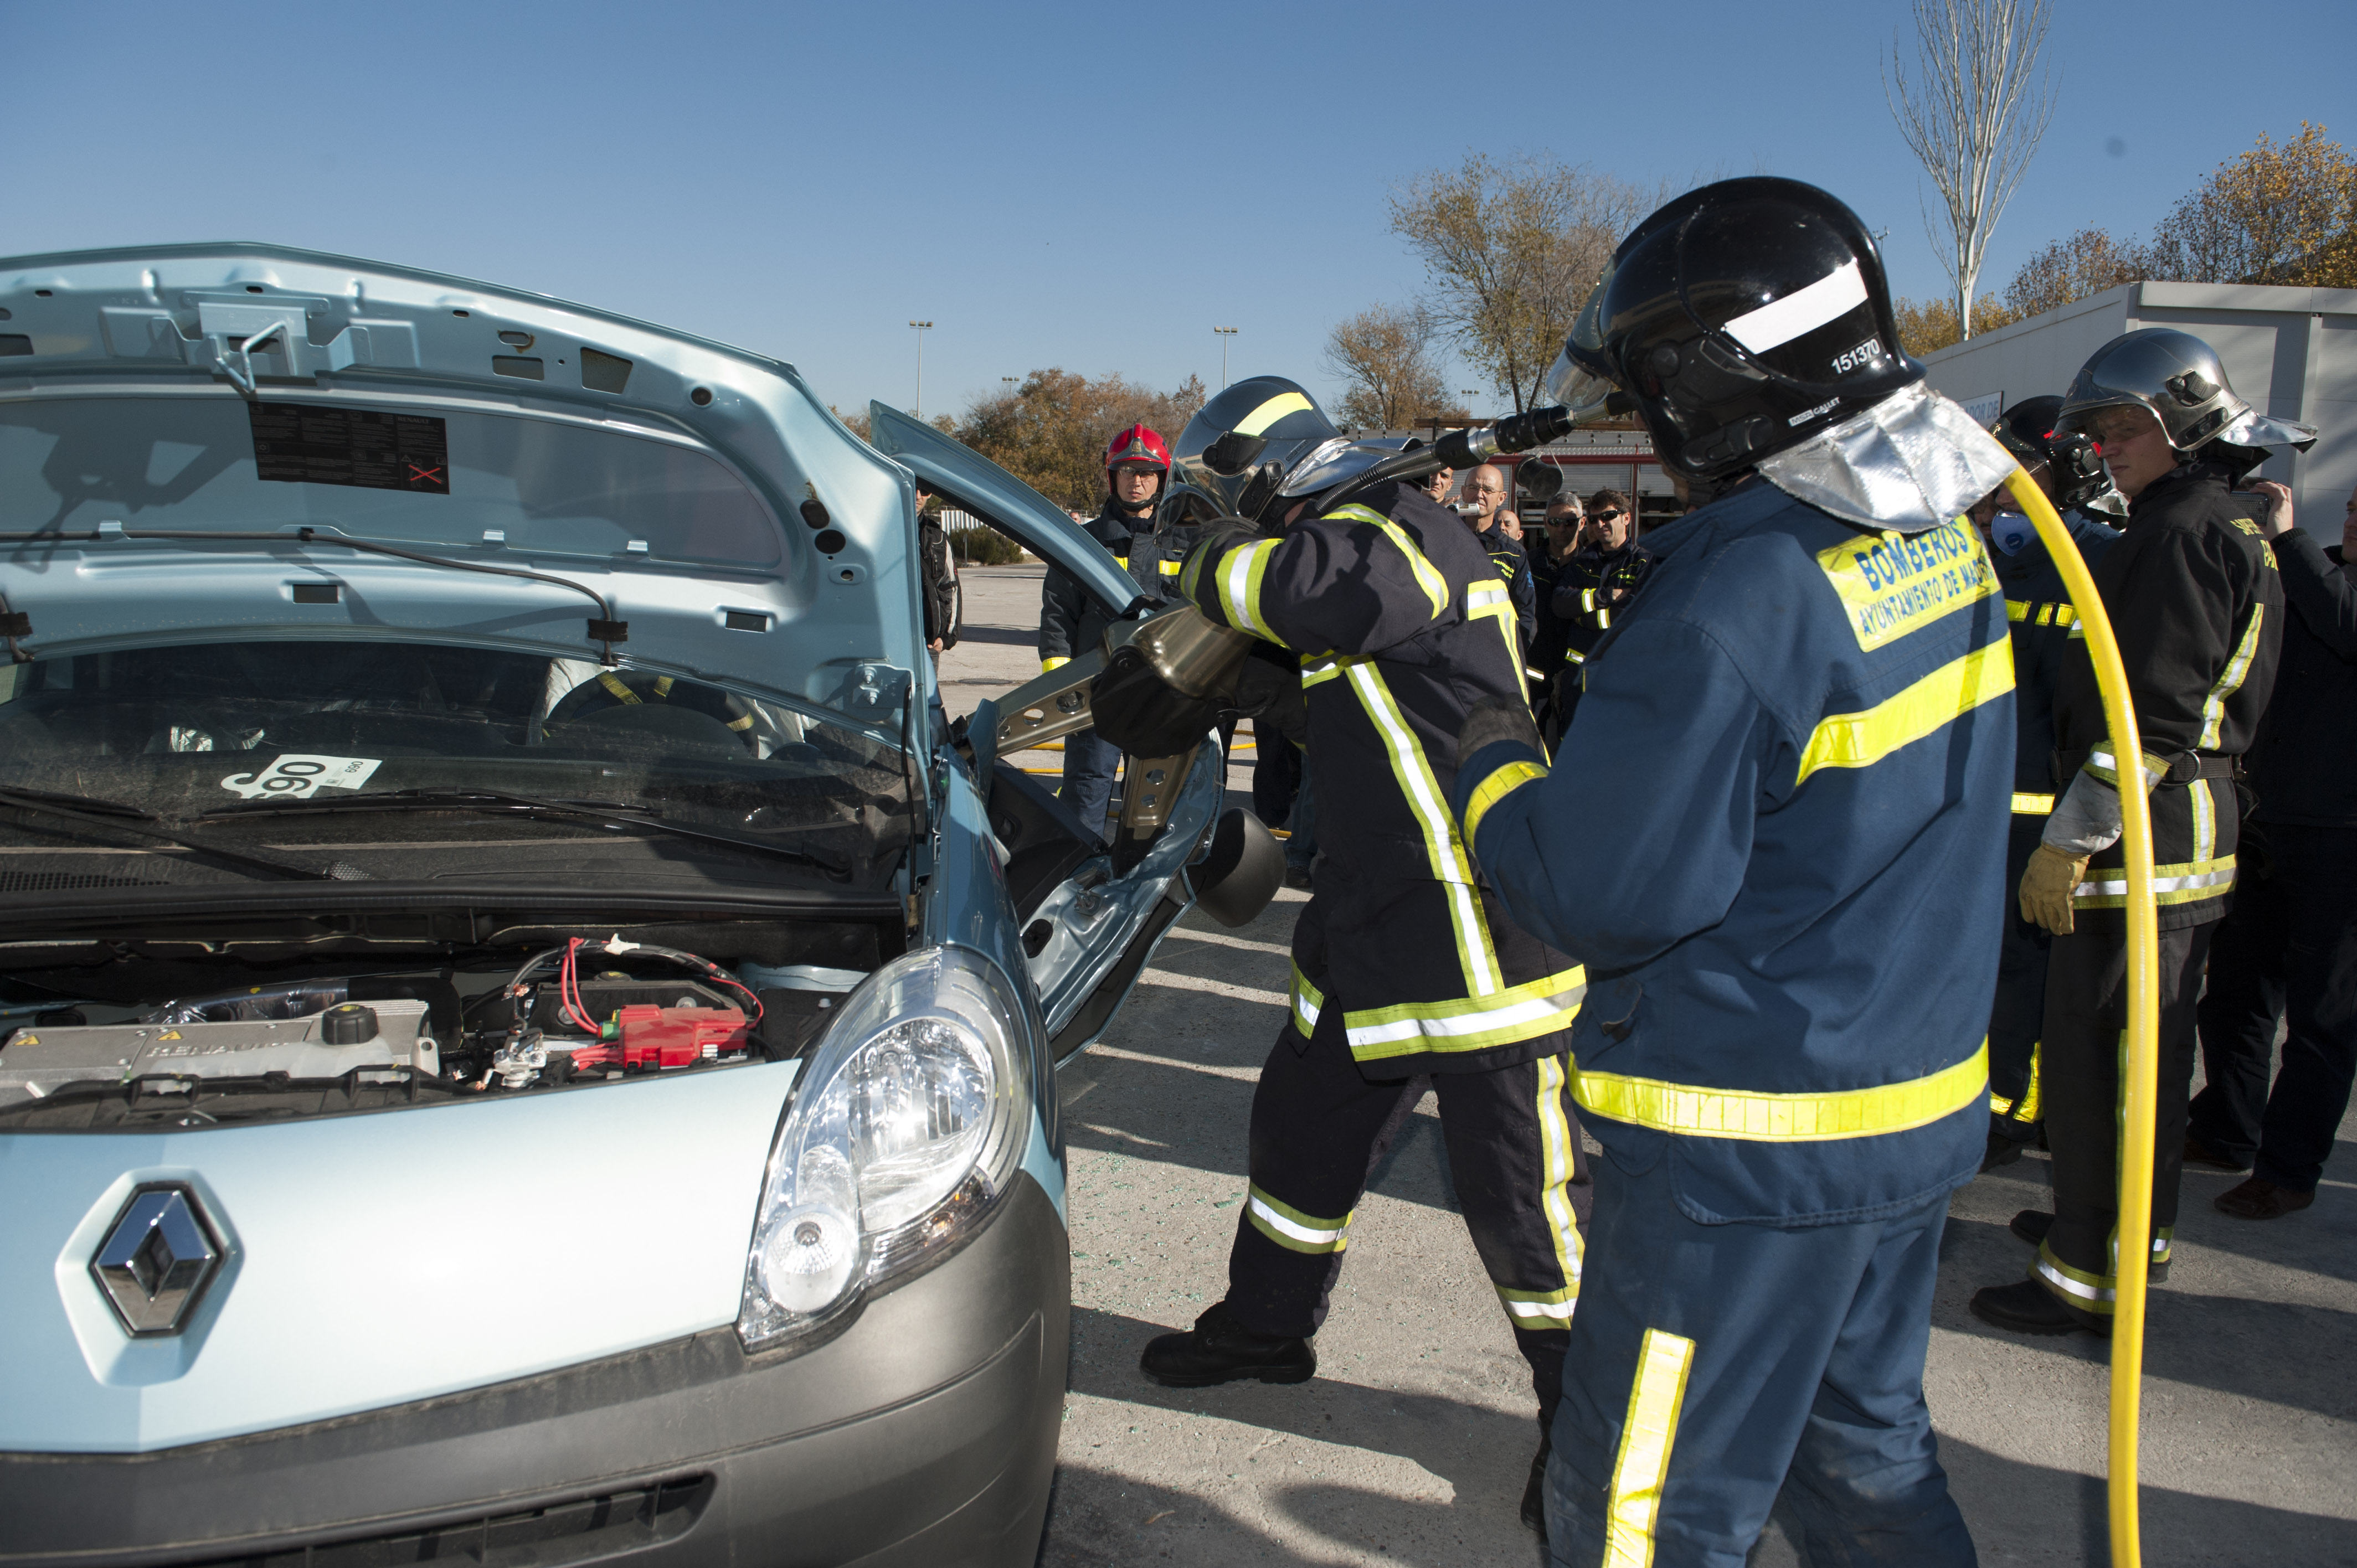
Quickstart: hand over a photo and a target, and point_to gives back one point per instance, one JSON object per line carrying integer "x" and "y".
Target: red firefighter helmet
{"x": 1141, "y": 444}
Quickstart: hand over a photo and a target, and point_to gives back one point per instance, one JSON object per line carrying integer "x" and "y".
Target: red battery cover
{"x": 676, "y": 1036}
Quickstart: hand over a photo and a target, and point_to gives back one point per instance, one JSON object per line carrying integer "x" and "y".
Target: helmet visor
{"x": 1331, "y": 462}
{"x": 1577, "y": 380}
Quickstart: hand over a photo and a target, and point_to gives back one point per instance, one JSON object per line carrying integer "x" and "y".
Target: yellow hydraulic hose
{"x": 2134, "y": 1250}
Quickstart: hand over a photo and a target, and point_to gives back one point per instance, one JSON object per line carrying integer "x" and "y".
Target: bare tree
{"x": 1511, "y": 251}
{"x": 1383, "y": 355}
{"x": 1975, "y": 115}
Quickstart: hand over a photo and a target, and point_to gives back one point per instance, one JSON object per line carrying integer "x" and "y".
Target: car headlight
{"x": 906, "y": 1130}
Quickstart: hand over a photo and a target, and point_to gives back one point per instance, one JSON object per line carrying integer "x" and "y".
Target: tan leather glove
{"x": 2047, "y": 886}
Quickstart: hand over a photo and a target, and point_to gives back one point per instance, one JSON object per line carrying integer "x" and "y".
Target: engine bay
{"x": 535, "y": 1010}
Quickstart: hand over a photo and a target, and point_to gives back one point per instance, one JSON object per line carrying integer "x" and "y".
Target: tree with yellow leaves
{"x": 2278, "y": 214}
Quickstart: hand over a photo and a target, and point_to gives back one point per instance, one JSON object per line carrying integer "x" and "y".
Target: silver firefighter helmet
{"x": 1241, "y": 443}
{"x": 2178, "y": 378}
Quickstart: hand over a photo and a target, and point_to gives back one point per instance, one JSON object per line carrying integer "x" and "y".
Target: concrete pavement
{"x": 1411, "y": 1443}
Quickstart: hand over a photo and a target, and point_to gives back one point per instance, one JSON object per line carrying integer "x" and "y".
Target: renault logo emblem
{"x": 157, "y": 1259}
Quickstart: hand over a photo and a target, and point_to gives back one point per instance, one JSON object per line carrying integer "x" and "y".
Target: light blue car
{"x": 520, "y": 1036}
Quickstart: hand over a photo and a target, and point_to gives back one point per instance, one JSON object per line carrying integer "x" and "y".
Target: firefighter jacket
{"x": 1070, "y": 623}
{"x": 2195, "y": 600}
{"x": 1776, "y": 839}
{"x": 1402, "y": 625}
{"x": 1593, "y": 587}
{"x": 2299, "y": 766}
{"x": 2038, "y": 608}
{"x": 1514, "y": 563}
{"x": 1553, "y": 638}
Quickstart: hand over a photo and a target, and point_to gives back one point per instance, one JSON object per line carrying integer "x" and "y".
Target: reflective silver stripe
{"x": 1525, "y": 1012}
{"x": 1294, "y": 1228}
{"x": 2159, "y": 884}
{"x": 2230, "y": 680}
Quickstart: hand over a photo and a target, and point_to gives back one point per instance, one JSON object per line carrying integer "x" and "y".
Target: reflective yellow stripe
{"x": 2017, "y": 609}
{"x": 1292, "y": 1230}
{"x": 663, "y": 687}
{"x": 1937, "y": 700}
{"x": 1314, "y": 672}
{"x": 2032, "y": 805}
{"x": 1056, "y": 664}
{"x": 1240, "y": 574}
{"x": 1555, "y": 1169}
{"x": 1308, "y": 1002}
{"x": 1172, "y": 568}
{"x": 1493, "y": 600}
{"x": 1539, "y": 1308}
{"x": 1427, "y": 576}
{"x": 613, "y": 683}
{"x": 1272, "y": 411}
{"x": 2088, "y": 1293}
{"x": 1467, "y": 1023}
{"x": 1656, "y": 1397}
{"x": 2230, "y": 680}
{"x": 1496, "y": 788}
{"x": 1759, "y": 1117}
{"x": 2030, "y": 1108}
{"x": 2046, "y": 615}
{"x": 1445, "y": 852}
{"x": 2183, "y": 882}
{"x": 2064, "y": 615}
{"x": 2106, "y": 769}
{"x": 2205, "y": 819}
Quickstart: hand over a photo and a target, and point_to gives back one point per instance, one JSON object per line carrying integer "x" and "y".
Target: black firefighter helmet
{"x": 1742, "y": 318}
{"x": 1240, "y": 445}
{"x": 2075, "y": 474}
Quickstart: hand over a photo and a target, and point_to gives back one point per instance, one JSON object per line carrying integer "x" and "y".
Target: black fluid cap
{"x": 347, "y": 1024}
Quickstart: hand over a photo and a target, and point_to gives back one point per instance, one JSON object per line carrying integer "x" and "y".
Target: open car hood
{"x": 702, "y": 495}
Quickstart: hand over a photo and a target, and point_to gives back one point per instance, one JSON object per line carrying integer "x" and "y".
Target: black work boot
{"x": 1219, "y": 1349}
{"x": 2028, "y": 1307}
{"x": 1535, "y": 1494}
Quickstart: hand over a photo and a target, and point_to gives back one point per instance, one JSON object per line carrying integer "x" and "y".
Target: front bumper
{"x": 924, "y": 1432}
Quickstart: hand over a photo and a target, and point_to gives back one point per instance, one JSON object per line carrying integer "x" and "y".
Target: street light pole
{"x": 1224, "y": 333}
{"x": 1468, "y": 394}
{"x": 920, "y": 327}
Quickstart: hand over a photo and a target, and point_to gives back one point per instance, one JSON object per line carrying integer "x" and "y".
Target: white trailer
{"x": 2291, "y": 352}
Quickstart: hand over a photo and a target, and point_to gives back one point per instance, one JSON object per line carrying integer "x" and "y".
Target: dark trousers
{"x": 1276, "y": 776}
{"x": 2016, "y": 1016}
{"x": 1301, "y": 828}
{"x": 1318, "y": 1128}
{"x": 1712, "y": 1367}
{"x": 2288, "y": 944}
{"x": 1090, "y": 764}
{"x": 2086, "y": 1030}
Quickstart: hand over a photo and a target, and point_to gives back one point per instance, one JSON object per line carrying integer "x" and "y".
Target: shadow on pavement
{"x": 1456, "y": 1441}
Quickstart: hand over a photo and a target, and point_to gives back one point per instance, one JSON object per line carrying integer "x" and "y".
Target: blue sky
{"x": 1094, "y": 186}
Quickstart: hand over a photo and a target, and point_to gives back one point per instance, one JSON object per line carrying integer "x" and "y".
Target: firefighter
{"x": 2070, "y": 471}
{"x": 2195, "y": 603}
{"x": 1600, "y": 577}
{"x": 1404, "y": 968}
{"x": 1778, "y": 819}
{"x": 1485, "y": 511}
{"x": 1138, "y": 470}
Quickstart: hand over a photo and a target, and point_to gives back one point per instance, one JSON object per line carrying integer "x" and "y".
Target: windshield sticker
{"x": 309, "y": 444}
{"x": 1892, "y": 583}
{"x": 294, "y": 777}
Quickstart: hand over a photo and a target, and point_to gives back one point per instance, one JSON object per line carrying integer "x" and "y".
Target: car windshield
{"x": 285, "y": 749}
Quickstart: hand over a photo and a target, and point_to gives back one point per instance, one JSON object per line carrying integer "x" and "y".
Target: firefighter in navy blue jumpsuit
{"x": 2039, "y": 610}
{"x": 1772, "y": 833}
{"x": 1404, "y": 967}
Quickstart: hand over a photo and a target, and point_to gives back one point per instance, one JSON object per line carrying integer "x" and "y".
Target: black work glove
{"x": 1268, "y": 693}
{"x": 1494, "y": 719}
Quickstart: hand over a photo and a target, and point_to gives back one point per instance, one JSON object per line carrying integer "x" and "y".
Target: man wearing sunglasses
{"x": 1595, "y": 585}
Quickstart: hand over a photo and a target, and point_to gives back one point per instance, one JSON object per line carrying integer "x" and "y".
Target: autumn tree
{"x": 1973, "y": 114}
{"x": 1929, "y": 324}
{"x": 1383, "y": 356}
{"x": 1051, "y": 429}
{"x": 2278, "y": 214}
{"x": 2085, "y": 264}
{"x": 1510, "y": 251}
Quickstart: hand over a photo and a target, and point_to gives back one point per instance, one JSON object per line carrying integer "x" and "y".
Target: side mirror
{"x": 1233, "y": 453}
{"x": 1537, "y": 481}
